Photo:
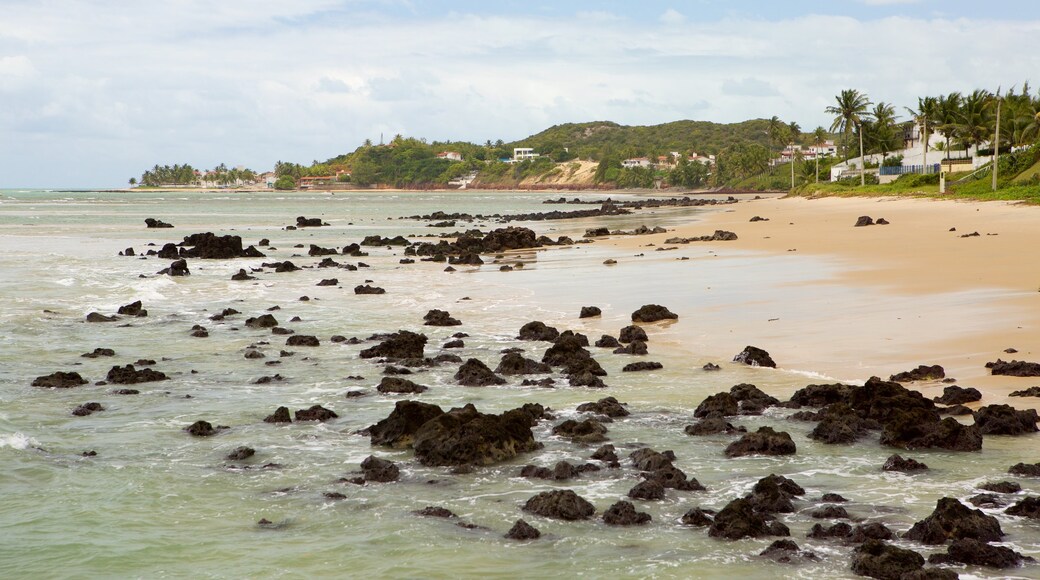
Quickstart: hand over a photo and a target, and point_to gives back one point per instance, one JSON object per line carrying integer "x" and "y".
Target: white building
{"x": 523, "y": 153}
{"x": 636, "y": 162}
{"x": 450, "y": 155}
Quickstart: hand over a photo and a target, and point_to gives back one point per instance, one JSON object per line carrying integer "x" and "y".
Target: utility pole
{"x": 924, "y": 144}
{"x": 792, "y": 165}
{"x": 862, "y": 159}
{"x": 996, "y": 144}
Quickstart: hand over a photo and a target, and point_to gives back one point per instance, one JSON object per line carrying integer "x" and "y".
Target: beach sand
{"x": 917, "y": 278}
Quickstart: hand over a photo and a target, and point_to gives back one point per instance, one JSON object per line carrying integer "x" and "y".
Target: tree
{"x": 976, "y": 119}
{"x": 133, "y": 181}
{"x": 777, "y": 131}
{"x": 926, "y": 116}
{"x": 285, "y": 182}
{"x": 850, "y": 111}
{"x": 819, "y": 136}
{"x": 948, "y": 108}
{"x": 884, "y": 136}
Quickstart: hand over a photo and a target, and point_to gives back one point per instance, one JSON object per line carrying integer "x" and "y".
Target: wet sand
{"x": 916, "y": 276}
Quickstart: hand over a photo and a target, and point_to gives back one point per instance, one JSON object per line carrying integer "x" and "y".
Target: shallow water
{"x": 158, "y": 503}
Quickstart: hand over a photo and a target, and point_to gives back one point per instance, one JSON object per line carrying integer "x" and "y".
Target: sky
{"x": 93, "y": 92}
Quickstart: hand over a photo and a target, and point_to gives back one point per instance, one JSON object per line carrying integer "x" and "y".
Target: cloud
{"x": 748, "y": 87}
{"x": 672, "y": 16}
{"x": 889, "y": 2}
{"x": 331, "y": 85}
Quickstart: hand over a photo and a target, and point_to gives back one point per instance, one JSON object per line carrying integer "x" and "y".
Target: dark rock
{"x": 98, "y": 317}
{"x": 328, "y": 282}
{"x": 830, "y": 512}
{"x": 833, "y": 498}
{"x": 1005, "y": 420}
{"x": 522, "y": 530}
{"x": 864, "y": 220}
{"x": 954, "y": 395}
{"x": 649, "y": 490}
{"x": 1026, "y": 469}
{"x": 840, "y": 424}
{"x": 303, "y": 222}
{"x": 1001, "y": 487}
{"x": 435, "y": 512}
{"x": 608, "y": 406}
{"x": 132, "y": 309}
{"x": 209, "y": 246}
{"x": 242, "y": 275}
{"x": 253, "y": 353}
{"x": 399, "y": 345}
{"x": 1028, "y": 507}
{"x": 514, "y": 363}
{"x": 642, "y": 366}
{"x": 739, "y": 520}
{"x": 840, "y": 530}
{"x": 952, "y": 520}
{"x": 897, "y": 463}
{"x": 717, "y": 405}
{"x": 713, "y": 426}
{"x": 745, "y": 392}
{"x": 697, "y": 517}
{"x": 786, "y": 552}
{"x": 280, "y": 415}
{"x": 154, "y": 223}
{"x": 605, "y": 453}
{"x": 262, "y": 321}
{"x": 1014, "y": 368}
{"x": 1030, "y": 392}
{"x": 126, "y": 392}
{"x": 99, "y": 352}
{"x": 86, "y": 409}
{"x": 758, "y": 219}
{"x": 380, "y": 470}
{"x": 589, "y": 312}
{"x": 607, "y": 341}
{"x": 398, "y": 429}
{"x": 59, "y": 380}
{"x": 128, "y": 375}
{"x": 302, "y": 340}
{"x": 399, "y": 386}
{"x": 241, "y": 453}
{"x": 440, "y": 318}
{"x": 587, "y": 431}
{"x": 754, "y": 356}
{"x": 201, "y": 429}
{"x": 537, "y": 330}
{"x": 711, "y": 367}
{"x": 653, "y": 313}
{"x": 561, "y": 504}
{"x": 822, "y": 395}
{"x": 956, "y": 410}
{"x": 315, "y": 413}
{"x": 765, "y": 441}
{"x": 464, "y": 436}
{"x": 474, "y": 373}
{"x": 176, "y": 268}
{"x": 877, "y": 559}
{"x": 987, "y": 500}
{"x": 366, "y": 289}
{"x": 636, "y": 347}
{"x": 921, "y": 373}
{"x": 975, "y": 553}
{"x": 632, "y": 333}
{"x": 918, "y": 429}
{"x": 623, "y": 513}
{"x": 774, "y": 494}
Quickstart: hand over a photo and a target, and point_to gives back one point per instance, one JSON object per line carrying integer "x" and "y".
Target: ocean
{"x": 155, "y": 502}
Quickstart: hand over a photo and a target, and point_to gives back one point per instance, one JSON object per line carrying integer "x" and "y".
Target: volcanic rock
{"x": 561, "y": 504}
{"x": 464, "y": 436}
{"x": 607, "y": 341}
{"x": 954, "y": 395}
{"x": 877, "y": 559}
{"x": 765, "y": 441}
{"x": 921, "y": 373}
{"x": 86, "y": 409}
{"x": 641, "y": 366}
{"x": 739, "y": 520}
{"x": 398, "y": 429}
{"x": 608, "y": 406}
{"x": 952, "y": 520}
{"x": 280, "y": 415}
{"x": 474, "y": 373}
{"x": 440, "y": 318}
{"x": 128, "y": 375}
{"x": 302, "y": 340}
{"x": 717, "y": 405}
{"x": 98, "y": 317}
{"x": 1014, "y": 368}
{"x": 132, "y": 309}
{"x": 589, "y": 312}
{"x": 897, "y": 463}
{"x": 653, "y": 313}
{"x": 514, "y": 363}
{"x": 1028, "y": 507}
{"x": 975, "y": 553}
{"x": 623, "y": 513}
{"x": 201, "y": 429}
{"x": 587, "y": 431}
{"x": 399, "y": 345}
{"x": 754, "y": 356}
{"x": 1005, "y": 420}
{"x": 366, "y": 289}
{"x": 522, "y": 530}
{"x": 537, "y": 330}
{"x": 399, "y": 386}
{"x": 240, "y": 453}
{"x": 315, "y": 413}
{"x": 379, "y": 470}
{"x": 262, "y": 321}
{"x": 632, "y": 333}
{"x": 59, "y": 380}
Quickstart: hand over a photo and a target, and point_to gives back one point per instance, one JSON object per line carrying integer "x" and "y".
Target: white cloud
{"x": 672, "y": 16}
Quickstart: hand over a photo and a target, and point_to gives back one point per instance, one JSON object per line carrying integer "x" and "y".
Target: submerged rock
{"x": 128, "y": 375}
{"x": 921, "y": 373}
{"x": 952, "y": 520}
{"x": 877, "y": 559}
{"x": 754, "y": 356}
{"x": 315, "y": 413}
{"x": 562, "y": 504}
{"x": 397, "y": 385}
{"x": 399, "y": 345}
{"x": 398, "y": 429}
{"x": 653, "y": 313}
{"x": 59, "y": 380}
{"x": 465, "y": 436}
{"x": 897, "y": 463}
{"x": 87, "y": 409}
{"x": 975, "y": 553}
{"x": 474, "y": 373}
{"x": 623, "y": 513}
{"x": 280, "y": 415}
{"x": 765, "y": 441}
{"x": 1005, "y": 420}
{"x": 133, "y": 309}
{"x": 739, "y": 520}
{"x": 522, "y": 530}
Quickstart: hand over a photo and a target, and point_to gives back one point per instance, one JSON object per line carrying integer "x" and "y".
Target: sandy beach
{"x": 918, "y": 273}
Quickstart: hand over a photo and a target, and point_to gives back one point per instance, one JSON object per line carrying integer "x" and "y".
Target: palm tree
{"x": 776, "y": 130}
{"x": 1031, "y": 130}
{"x": 850, "y": 111}
{"x": 884, "y": 134}
{"x": 975, "y": 120}
{"x": 948, "y": 108}
{"x": 926, "y": 116}
{"x": 819, "y": 138}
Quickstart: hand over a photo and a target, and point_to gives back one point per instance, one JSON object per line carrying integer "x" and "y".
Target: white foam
{"x": 18, "y": 441}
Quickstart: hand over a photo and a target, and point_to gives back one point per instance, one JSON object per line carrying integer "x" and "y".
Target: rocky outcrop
{"x": 474, "y": 373}
{"x": 840, "y": 424}
{"x": 632, "y": 333}
{"x": 537, "y": 330}
{"x": 209, "y": 246}
{"x": 133, "y": 309}
{"x": 201, "y": 429}
{"x": 1001, "y": 487}
{"x": 395, "y": 385}
{"x": 302, "y": 340}
{"x": 367, "y": 289}
{"x": 468, "y": 437}
{"x": 176, "y": 268}
{"x": 561, "y": 504}
{"x": 907, "y": 465}
{"x": 440, "y": 318}
{"x": 1030, "y": 392}
{"x": 607, "y": 341}
{"x": 59, "y": 380}
{"x": 658, "y": 468}
{"x": 304, "y": 222}
{"x": 1026, "y": 469}
{"x": 1005, "y": 420}
{"x": 262, "y": 321}
{"x": 87, "y": 409}
{"x": 589, "y": 312}
{"x": 713, "y": 426}
{"x": 522, "y": 530}
{"x": 653, "y": 313}
{"x": 128, "y": 375}
{"x": 952, "y": 520}
{"x": 921, "y": 373}
{"x": 975, "y": 553}
{"x": 280, "y": 415}
{"x": 864, "y": 220}
{"x": 156, "y": 223}
{"x": 642, "y": 366}
{"x": 398, "y": 429}
{"x": 787, "y": 552}
{"x": 717, "y": 405}
{"x": 379, "y": 470}
{"x": 765, "y": 441}
{"x": 636, "y": 347}
{"x": 877, "y": 559}
{"x": 403, "y": 344}
{"x": 623, "y": 513}
{"x": 774, "y": 494}
{"x": 821, "y": 395}
{"x": 315, "y": 413}
{"x": 587, "y": 431}
{"x": 697, "y": 517}
{"x": 954, "y": 395}
{"x": 608, "y": 406}
{"x": 514, "y": 363}
{"x": 739, "y": 520}
{"x": 1028, "y": 507}
{"x": 1015, "y": 368}
{"x": 919, "y": 429}
{"x": 754, "y": 356}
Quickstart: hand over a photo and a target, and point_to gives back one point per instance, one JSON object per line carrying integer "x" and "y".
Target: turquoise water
{"x": 155, "y": 502}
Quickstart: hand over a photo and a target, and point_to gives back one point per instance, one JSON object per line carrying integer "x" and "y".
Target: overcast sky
{"x": 93, "y": 92}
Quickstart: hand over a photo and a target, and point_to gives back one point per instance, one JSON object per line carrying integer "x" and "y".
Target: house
{"x": 523, "y": 153}
{"x": 826, "y": 149}
{"x": 667, "y": 160}
{"x": 308, "y": 182}
{"x": 705, "y": 159}
{"x": 267, "y": 179}
{"x": 636, "y": 162}
{"x": 450, "y": 155}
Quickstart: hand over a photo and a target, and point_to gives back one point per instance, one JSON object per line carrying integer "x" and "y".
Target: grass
{"x": 979, "y": 190}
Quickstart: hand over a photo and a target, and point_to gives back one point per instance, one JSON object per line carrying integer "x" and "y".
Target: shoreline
{"x": 916, "y": 275}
